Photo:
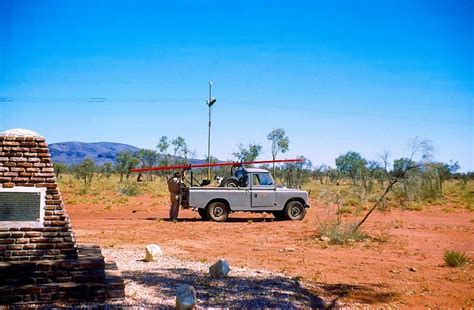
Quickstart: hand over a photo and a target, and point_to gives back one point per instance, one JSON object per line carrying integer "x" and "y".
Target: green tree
{"x": 280, "y": 143}
{"x": 179, "y": 147}
{"x": 163, "y": 147}
{"x": 351, "y": 165}
{"x": 402, "y": 170}
{"x": 368, "y": 173}
{"x": 321, "y": 172}
{"x": 249, "y": 153}
{"x": 445, "y": 171}
{"x": 297, "y": 173}
{"x": 148, "y": 158}
{"x": 85, "y": 170}
{"x": 59, "y": 168}
{"x": 106, "y": 170}
{"x": 125, "y": 162}
{"x": 334, "y": 175}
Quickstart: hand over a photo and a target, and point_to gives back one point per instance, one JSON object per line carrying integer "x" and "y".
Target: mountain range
{"x": 72, "y": 153}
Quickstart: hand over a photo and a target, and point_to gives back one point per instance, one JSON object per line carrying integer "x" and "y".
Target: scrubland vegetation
{"x": 341, "y": 200}
{"x": 348, "y": 192}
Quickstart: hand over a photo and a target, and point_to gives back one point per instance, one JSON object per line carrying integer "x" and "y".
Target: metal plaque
{"x": 20, "y": 206}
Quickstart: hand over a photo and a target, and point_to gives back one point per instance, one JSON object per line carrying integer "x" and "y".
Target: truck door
{"x": 262, "y": 190}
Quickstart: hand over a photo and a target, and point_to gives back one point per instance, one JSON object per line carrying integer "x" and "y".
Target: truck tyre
{"x": 203, "y": 214}
{"x": 294, "y": 210}
{"x": 279, "y": 215}
{"x": 218, "y": 211}
{"x": 230, "y": 182}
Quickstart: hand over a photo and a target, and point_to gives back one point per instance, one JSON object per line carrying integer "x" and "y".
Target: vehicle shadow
{"x": 229, "y": 220}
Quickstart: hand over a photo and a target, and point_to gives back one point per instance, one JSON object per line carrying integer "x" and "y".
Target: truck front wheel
{"x": 295, "y": 211}
{"x": 218, "y": 211}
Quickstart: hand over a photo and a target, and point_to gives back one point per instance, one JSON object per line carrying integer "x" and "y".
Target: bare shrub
{"x": 340, "y": 233}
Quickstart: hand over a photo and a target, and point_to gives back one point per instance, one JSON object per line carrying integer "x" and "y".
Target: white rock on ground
{"x": 219, "y": 270}
{"x": 185, "y": 297}
{"x": 153, "y": 251}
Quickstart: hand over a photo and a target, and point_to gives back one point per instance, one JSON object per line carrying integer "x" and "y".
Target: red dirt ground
{"x": 372, "y": 273}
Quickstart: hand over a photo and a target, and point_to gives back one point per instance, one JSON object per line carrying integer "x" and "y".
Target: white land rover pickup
{"x": 250, "y": 190}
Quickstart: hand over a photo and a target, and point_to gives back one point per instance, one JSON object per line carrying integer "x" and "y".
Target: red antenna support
{"x": 233, "y": 164}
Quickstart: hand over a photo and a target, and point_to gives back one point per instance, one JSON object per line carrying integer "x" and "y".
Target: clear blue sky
{"x": 337, "y": 75}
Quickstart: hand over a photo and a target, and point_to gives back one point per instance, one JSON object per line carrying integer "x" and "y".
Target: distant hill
{"x": 71, "y": 153}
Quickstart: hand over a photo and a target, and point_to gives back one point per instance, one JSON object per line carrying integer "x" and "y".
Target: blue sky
{"x": 336, "y": 75}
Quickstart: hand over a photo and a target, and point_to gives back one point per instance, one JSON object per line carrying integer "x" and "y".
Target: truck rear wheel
{"x": 218, "y": 211}
{"x": 203, "y": 214}
{"x": 295, "y": 211}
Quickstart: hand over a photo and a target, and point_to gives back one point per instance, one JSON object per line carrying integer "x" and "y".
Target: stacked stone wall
{"x": 40, "y": 261}
{"x": 26, "y": 162}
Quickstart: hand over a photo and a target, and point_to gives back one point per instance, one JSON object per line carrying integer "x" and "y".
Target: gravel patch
{"x": 155, "y": 283}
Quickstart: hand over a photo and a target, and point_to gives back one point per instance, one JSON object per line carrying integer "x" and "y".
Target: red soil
{"x": 373, "y": 273}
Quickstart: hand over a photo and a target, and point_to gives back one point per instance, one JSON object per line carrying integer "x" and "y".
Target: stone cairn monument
{"x": 40, "y": 261}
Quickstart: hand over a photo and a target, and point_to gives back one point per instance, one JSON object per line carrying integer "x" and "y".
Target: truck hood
{"x": 286, "y": 189}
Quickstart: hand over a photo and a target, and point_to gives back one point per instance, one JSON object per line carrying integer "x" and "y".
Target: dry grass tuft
{"x": 455, "y": 259}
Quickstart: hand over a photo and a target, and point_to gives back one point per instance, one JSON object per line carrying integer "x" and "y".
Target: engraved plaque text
{"x": 20, "y": 206}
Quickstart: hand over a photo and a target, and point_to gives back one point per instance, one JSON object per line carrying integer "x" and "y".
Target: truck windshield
{"x": 262, "y": 179}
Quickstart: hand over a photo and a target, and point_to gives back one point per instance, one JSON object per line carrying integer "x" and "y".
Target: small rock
{"x": 185, "y": 297}
{"x": 395, "y": 271}
{"x": 287, "y": 250}
{"x": 412, "y": 269}
{"x": 325, "y": 239}
{"x": 219, "y": 270}
{"x": 153, "y": 251}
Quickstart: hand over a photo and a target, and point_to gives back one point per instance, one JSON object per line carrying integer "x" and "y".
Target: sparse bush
{"x": 340, "y": 233}
{"x": 83, "y": 190}
{"x": 455, "y": 258}
{"x": 130, "y": 189}
{"x": 344, "y": 210}
{"x": 382, "y": 237}
{"x": 414, "y": 206}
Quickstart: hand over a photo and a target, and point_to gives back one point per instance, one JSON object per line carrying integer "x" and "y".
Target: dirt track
{"x": 376, "y": 273}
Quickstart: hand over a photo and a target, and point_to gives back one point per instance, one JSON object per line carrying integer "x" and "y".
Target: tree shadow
{"x": 362, "y": 293}
{"x": 235, "y": 291}
{"x": 258, "y": 291}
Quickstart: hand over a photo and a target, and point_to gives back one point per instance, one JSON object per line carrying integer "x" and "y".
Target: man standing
{"x": 174, "y": 185}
